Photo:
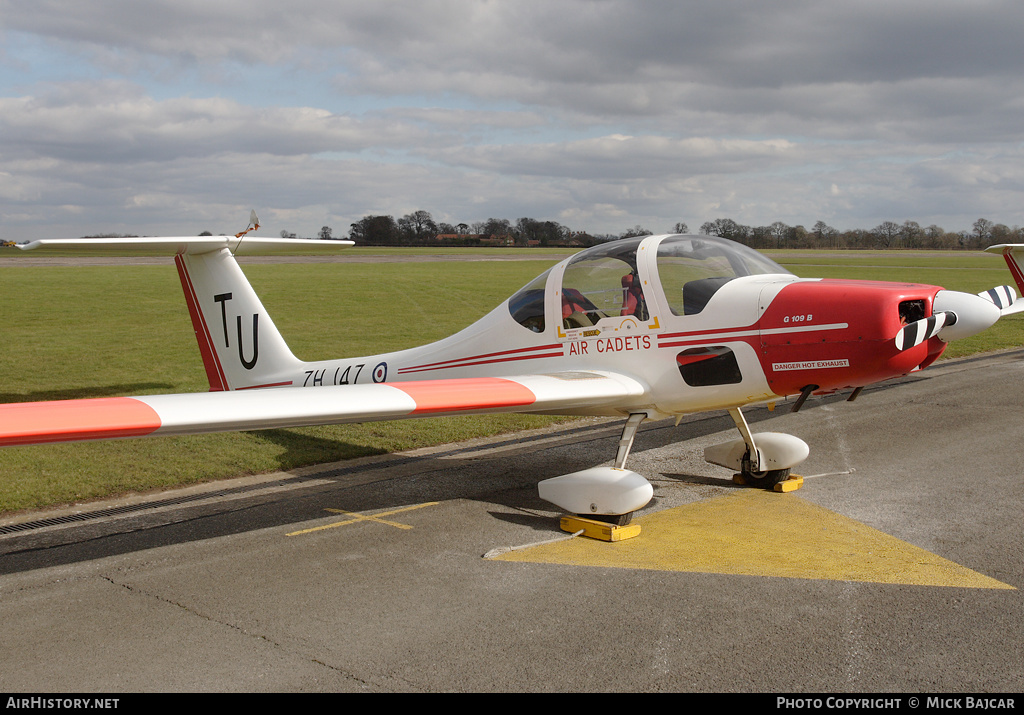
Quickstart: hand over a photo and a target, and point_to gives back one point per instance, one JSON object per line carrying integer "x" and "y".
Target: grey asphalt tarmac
{"x": 371, "y": 576}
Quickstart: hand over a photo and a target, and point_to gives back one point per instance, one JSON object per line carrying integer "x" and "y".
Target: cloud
{"x": 606, "y": 112}
{"x": 116, "y": 122}
{"x": 618, "y": 157}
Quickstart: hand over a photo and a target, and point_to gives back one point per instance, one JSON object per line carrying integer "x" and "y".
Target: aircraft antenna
{"x": 254, "y": 224}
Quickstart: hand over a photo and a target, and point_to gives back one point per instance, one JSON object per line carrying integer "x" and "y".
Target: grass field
{"x": 75, "y": 332}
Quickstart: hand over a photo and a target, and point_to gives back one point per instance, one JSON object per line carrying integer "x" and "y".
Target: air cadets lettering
{"x": 611, "y": 345}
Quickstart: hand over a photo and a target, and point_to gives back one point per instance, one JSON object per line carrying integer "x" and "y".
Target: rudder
{"x": 240, "y": 346}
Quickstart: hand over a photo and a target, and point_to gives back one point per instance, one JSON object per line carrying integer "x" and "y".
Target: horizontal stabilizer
{"x": 1016, "y": 307}
{"x": 1002, "y": 296}
{"x": 192, "y": 245}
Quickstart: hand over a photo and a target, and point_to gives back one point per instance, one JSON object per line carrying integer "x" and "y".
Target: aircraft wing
{"x": 194, "y": 413}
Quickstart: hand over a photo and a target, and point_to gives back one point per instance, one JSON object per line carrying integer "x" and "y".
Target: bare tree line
{"x": 419, "y": 228}
{"x": 886, "y": 235}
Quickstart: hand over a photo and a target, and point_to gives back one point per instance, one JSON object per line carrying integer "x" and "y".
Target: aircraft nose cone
{"x": 973, "y": 313}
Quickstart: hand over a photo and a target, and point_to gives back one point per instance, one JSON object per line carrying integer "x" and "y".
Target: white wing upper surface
{"x": 194, "y": 413}
{"x": 247, "y": 245}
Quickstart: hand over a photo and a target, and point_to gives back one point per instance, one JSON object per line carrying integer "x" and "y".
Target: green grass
{"x": 947, "y": 260}
{"x": 361, "y": 309}
{"x": 97, "y": 331}
{"x": 73, "y": 332}
{"x": 458, "y": 250}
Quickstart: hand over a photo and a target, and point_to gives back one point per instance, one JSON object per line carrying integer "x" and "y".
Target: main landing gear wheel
{"x": 765, "y": 480}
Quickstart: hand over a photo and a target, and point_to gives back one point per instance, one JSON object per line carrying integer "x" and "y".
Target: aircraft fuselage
{"x": 705, "y": 323}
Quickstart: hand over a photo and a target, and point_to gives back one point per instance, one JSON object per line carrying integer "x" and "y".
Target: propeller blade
{"x": 925, "y": 329}
{"x": 1001, "y": 296}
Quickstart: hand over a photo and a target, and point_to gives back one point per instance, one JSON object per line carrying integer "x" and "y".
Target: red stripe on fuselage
{"x": 73, "y": 420}
{"x": 698, "y": 334}
{"x": 468, "y": 394}
{"x": 504, "y": 356}
{"x": 286, "y": 383}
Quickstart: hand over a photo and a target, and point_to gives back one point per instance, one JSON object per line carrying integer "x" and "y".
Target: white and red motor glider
{"x": 650, "y": 327}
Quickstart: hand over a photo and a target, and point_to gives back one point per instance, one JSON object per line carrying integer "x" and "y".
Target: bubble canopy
{"x": 604, "y": 281}
{"x": 692, "y": 268}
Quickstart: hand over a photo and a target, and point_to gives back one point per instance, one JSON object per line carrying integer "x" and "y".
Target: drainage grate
{"x": 129, "y": 509}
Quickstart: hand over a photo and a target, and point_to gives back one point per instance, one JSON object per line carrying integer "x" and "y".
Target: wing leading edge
{"x": 194, "y": 413}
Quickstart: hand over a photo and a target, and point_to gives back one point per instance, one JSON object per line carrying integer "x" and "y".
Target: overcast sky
{"x": 178, "y": 116}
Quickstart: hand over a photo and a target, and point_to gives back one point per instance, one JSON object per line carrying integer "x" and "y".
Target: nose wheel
{"x": 765, "y": 463}
{"x": 764, "y": 480}
{"x": 613, "y": 519}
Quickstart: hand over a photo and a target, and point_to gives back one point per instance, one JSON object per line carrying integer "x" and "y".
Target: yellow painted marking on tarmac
{"x": 356, "y": 517}
{"x": 758, "y": 533}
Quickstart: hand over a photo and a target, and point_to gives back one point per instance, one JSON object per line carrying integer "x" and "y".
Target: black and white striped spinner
{"x": 921, "y": 330}
{"x": 1002, "y": 296}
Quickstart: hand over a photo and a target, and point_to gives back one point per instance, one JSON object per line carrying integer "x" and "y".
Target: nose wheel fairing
{"x": 762, "y": 460}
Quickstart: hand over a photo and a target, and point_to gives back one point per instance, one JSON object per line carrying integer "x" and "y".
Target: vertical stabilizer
{"x": 239, "y": 343}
